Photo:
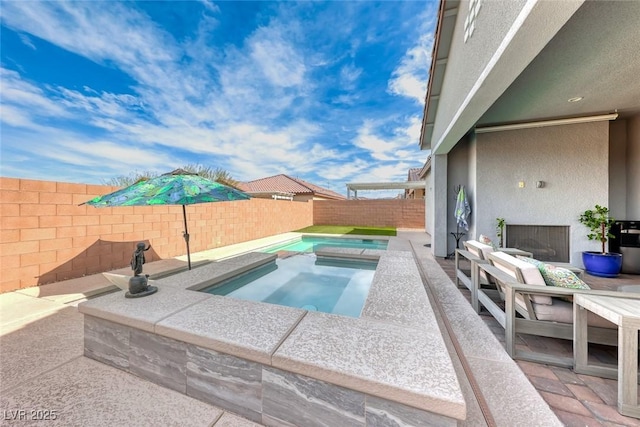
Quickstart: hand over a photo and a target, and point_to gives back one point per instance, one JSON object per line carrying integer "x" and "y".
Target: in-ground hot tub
{"x": 314, "y": 283}
{"x": 281, "y": 365}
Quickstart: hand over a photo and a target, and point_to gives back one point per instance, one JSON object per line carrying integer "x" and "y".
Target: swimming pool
{"x": 312, "y": 243}
{"x": 305, "y": 281}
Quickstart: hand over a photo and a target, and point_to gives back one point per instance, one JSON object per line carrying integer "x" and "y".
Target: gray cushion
{"x": 562, "y": 312}
{"x": 530, "y": 274}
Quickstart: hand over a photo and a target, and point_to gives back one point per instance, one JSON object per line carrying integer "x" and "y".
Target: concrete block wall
{"x": 400, "y": 213}
{"x": 45, "y": 236}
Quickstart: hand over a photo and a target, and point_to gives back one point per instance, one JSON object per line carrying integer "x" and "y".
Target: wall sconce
{"x": 539, "y": 184}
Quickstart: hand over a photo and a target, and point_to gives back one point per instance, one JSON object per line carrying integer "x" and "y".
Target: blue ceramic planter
{"x": 602, "y": 265}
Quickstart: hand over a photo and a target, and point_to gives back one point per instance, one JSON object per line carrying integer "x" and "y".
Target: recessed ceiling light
{"x": 576, "y": 99}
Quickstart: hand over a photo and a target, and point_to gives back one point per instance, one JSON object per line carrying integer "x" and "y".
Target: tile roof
{"x": 286, "y": 184}
{"x": 414, "y": 174}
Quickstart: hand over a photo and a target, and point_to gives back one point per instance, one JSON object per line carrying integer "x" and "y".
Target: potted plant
{"x": 500, "y": 230}
{"x": 603, "y": 263}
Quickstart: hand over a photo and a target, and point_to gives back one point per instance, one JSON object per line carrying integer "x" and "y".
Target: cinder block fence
{"x": 46, "y": 235}
{"x": 400, "y": 213}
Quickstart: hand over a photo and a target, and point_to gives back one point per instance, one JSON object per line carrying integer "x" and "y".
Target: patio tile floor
{"x": 577, "y": 400}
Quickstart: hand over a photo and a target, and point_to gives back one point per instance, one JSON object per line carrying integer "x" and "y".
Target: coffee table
{"x": 624, "y": 312}
{"x": 630, "y": 288}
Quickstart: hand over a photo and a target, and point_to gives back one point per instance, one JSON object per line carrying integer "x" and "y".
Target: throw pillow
{"x": 533, "y": 261}
{"x": 487, "y": 241}
{"x": 561, "y": 277}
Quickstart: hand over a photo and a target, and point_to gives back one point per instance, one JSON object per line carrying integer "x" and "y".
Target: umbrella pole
{"x": 186, "y": 235}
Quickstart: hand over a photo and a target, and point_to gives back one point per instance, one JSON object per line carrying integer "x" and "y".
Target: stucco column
{"x": 437, "y": 206}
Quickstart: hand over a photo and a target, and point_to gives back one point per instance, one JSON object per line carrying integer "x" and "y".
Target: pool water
{"x": 305, "y": 281}
{"x": 311, "y": 244}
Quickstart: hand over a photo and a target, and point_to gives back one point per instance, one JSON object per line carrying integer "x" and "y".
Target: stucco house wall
{"x": 480, "y": 69}
{"x": 468, "y": 59}
{"x": 633, "y": 169}
{"x": 581, "y": 164}
{"x": 459, "y": 160}
{"x": 618, "y": 172}
{"x": 573, "y": 162}
{"x": 428, "y": 189}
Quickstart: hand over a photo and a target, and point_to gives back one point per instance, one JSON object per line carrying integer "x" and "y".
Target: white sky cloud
{"x": 389, "y": 148}
{"x": 31, "y": 99}
{"x": 260, "y": 115}
{"x": 27, "y": 41}
{"x": 277, "y": 59}
{"x": 348, "y": 76}
{"x": 410, "y": 76}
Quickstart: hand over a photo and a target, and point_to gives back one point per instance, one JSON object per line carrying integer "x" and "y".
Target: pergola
{"x": 408, "y": 185}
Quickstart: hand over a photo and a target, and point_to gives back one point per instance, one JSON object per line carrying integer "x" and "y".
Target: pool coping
{"x": 400, "y": 313}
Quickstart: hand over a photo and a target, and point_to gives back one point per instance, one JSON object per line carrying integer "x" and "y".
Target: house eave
{"x": 447, "y": 14}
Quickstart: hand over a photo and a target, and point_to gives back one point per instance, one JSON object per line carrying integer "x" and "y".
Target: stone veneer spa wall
{"x": 283, "y": 366}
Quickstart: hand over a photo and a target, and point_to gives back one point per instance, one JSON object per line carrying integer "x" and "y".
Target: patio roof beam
{"x": 407, "y": 185}
{"x": 387, "y": 185}
{"x": 543, "y": 123}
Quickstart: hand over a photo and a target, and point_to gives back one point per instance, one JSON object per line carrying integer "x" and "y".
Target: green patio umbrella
{"x": 174, "y": 188}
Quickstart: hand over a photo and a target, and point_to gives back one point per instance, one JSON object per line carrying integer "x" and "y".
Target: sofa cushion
{"x": 480, "y": 250}
{"x": 562, "y": 312}
{"x": 530, "y": 274}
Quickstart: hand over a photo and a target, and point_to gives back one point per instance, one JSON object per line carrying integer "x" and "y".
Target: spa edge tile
{"x": 225, "y": 381}
{"x": 334, "y": 251}
{"x": 246, "y": 329}
{"x": 400, "y": 300}
{"x": 215, "y": 272}
{"x": 141, "y": 313}
{"x": 199, "y": 278}
{"x": 158, "y": 359}
{"x": 385, "y": 413}
{"x": 249, "y": 258}
{"x": 106, "y": 342}
{"x": 397, "y": 245}
{"x": 347, "y": 253}
{"x": 299, "y": 400}
{"x": 397, "y": 266}
{"x": 374, "y": 357}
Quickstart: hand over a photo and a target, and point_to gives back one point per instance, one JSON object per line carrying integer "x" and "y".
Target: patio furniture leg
{"x": 628, "y": 372}
{"x": 510, "y": 321}
{"x": 475, "y": 284}
{"x": 580, "y": 339}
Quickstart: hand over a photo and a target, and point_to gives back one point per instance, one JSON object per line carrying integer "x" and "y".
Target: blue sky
{"x": 331, "y": 92}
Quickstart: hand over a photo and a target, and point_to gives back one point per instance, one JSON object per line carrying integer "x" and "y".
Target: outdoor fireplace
{"x": 545, "y": 242}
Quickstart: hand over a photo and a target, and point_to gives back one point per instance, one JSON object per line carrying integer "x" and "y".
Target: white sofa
{"x": 543, "y": 310}
{"x": 475, "y": 253}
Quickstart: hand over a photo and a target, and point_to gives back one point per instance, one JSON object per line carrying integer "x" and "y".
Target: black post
{"x": 186, "y": 235}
